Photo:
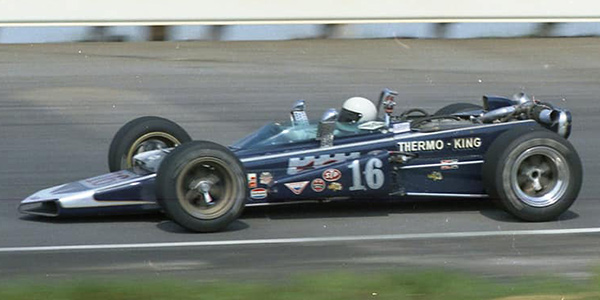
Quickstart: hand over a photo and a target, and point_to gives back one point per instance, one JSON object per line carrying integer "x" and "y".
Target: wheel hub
{"x": 534, "y": 176}
{"x": 203, "y": 187}
{"x": 540, "y": 176}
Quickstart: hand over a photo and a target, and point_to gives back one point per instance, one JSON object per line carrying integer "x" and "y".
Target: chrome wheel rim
{"x": 148, "y": 142}
{"x": 540, "y": 176}
{"x": 205, "y": 188}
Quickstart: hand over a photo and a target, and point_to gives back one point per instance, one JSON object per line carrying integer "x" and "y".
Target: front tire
{"x": 140, "y": 135}
{"x": 201, "y": 186}
{"x": 532, "y": 173}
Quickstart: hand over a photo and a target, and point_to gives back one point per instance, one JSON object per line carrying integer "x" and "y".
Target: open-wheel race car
{"x": 512, "y": 150}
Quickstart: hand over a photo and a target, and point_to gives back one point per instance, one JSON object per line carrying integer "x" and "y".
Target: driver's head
{"x": 357, "y": 110}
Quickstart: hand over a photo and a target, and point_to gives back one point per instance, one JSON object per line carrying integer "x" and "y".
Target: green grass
{"x": 347, "y": 286}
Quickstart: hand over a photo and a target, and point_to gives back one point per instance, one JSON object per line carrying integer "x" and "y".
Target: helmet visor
{"x": 347, "y": 116}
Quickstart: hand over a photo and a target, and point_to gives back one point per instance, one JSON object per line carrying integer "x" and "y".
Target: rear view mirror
{"x": 327, "y": 127}
{"x": 385, "y": 107}
{"x": 298, "y": 114}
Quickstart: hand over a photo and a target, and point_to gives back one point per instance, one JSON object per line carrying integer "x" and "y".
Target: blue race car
{"x": 513, "y": 151}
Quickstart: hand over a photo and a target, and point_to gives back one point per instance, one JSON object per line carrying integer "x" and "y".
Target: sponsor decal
{"x": 332, "y": 175}
{"x": 335, "y": 186}
{"x": 266, "y": 178}
{"x": 297, "y": 187}
{"x": 252, "y": 183}
{"x": 449, "y": 164}
{"x": 435, "y": 176}
{"x": 259, "y": 193}
{"x": 468, "y": 143}
{"x": 300, "y": 164}
{"x": 317, "y": 185}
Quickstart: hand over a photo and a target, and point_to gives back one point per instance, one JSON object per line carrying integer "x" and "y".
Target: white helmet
{"x": 358, "y": 110}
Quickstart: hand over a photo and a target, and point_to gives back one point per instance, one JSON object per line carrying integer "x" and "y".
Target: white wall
{"x": 160, "y": 12}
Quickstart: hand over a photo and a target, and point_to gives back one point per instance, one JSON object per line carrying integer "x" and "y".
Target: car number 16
{"x": 374, "y": 177}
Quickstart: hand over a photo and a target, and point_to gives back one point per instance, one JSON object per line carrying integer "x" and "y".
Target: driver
{"x": 355, "y": 111}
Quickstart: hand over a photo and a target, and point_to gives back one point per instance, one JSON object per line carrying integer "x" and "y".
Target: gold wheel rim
{"x": 206, "y": 169}
{"x": 164, "y": 137}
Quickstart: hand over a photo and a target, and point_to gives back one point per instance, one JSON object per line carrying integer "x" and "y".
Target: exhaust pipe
{"x": 496, "y": 114}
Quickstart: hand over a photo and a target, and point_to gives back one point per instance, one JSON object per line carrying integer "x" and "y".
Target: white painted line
{"x": 390, "y": 237}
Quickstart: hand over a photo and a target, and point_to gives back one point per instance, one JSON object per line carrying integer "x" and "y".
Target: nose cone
{"x": 46, "y": 202}
{"x": 56, "y": 192}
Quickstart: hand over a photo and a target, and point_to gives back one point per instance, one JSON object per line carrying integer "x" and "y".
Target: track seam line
{"x": 389, "y": 237}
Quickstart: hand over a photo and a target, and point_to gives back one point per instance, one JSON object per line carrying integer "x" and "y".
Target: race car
{"x": 512, "y": 150}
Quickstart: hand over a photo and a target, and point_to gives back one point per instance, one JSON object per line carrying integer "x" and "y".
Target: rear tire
{"x": 201, "y": 186}
{"x": 140, "y": 135}
{"x": 457, "y": 108}
{"x": 532, "y": 173}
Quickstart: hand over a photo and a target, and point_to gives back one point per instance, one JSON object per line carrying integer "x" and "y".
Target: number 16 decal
{"x": 374, "y": 177}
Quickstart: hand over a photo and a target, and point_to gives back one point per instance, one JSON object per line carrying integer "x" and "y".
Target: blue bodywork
{"x": 286, "y": 164}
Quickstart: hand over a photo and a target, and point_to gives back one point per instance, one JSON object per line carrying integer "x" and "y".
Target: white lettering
{"x": 431, "y": 145}
{"x": 439, "y": 145}
{"x": 467, "y": 143}
{"x": 413, "y": 146}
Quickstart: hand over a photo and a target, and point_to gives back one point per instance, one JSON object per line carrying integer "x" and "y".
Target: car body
{"x": 391, "y": 158}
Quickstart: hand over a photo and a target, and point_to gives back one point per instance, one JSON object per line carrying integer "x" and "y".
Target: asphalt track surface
{"x": 61, "y": 104}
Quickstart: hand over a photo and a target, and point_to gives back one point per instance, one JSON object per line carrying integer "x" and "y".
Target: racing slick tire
{"x": 201, "y": 186}
{"x": 533, "y": 173}
{"x": 456, "y": 108}
{"x": 143, "y": 134}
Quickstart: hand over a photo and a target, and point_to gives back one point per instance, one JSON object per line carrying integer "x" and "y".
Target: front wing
{"x": 119, "y": 192}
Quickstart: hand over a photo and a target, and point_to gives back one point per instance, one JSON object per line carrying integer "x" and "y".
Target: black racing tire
{"x": 201, "y": 186}
{"x": 532, "y": 173}
{"x": 456, "y": 108}
{"x": 141, "y": 133}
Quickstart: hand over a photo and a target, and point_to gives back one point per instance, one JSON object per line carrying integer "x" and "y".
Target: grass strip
{"x": 430, "y": 285}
